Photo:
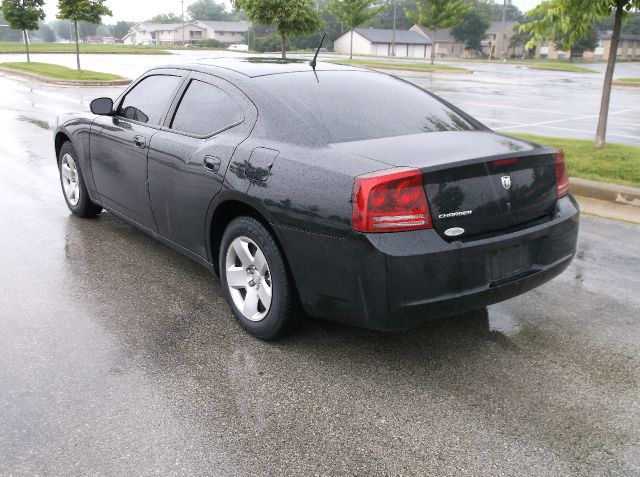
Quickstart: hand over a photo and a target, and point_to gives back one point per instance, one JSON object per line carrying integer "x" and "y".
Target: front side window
{"x": 149, "y": 99}
{"x": 205, "y": 109}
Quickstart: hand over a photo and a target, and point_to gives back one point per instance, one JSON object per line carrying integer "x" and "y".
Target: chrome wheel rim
{"x": 70, "y": 179}
{"x": 249, "y": 278}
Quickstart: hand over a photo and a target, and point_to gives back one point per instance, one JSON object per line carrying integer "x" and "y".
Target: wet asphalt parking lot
{"x": 119, "y": 356}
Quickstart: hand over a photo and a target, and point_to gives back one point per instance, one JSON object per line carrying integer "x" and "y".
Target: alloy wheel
{"x": 249, "y": 278}
{"x": 70, "y": 179}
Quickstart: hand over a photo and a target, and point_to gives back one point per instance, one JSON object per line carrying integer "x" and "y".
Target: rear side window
{"x": 206, "y": 109}
{"x": 149, "y": 99}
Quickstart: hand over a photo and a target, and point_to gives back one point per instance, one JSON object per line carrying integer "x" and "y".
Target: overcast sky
{"x": 139, "y": 10}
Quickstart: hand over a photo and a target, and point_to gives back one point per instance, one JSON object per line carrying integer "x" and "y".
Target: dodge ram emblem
{"x": 506, "y": 182}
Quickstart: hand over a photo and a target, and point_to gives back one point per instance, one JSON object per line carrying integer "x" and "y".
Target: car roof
{"x": 259, "y": 66}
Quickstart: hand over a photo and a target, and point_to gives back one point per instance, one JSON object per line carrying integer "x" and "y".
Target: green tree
{"x": 46, "y": 33}
{"x": 207, "y": 10}
{"x": 354, "y": 13}
{"x": 588, "y": 42}
{"x": 121, "y": 29}
{"x": 575, "y": 18}
{"x": 167, "y": 18}
{"x": 494, "y": 10}
{"x": 23, "y": 15}
{"x": 520, "y": 38}
{"x": 291, "y": 17}
{"x": 266, "y": 43}
{"x": 90, "y": 11}
{"x": 436, "y": 15}
{"x": 631, "y": 25}
{"x": 62, "y": 29}
{"x": 472, "y": 29}
{"x": 7, "y": 33}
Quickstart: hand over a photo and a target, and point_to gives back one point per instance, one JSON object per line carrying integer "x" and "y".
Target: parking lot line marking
{"x": 577, "y": 118}
{"x": 521, "y": 108}
{"x": 609, "y": 133}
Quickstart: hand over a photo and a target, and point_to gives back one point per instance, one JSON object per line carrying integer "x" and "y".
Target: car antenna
{"x": 315, "y": 57}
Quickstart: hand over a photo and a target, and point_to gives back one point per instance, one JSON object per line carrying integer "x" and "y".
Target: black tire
{"x": 282, "y": 314}
{"x": 84, "y": 207}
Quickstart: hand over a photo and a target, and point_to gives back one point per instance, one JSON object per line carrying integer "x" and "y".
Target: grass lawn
{"x": 558, "y": 66}
{"x": 17, "y": 47}
{"x": 627, "y": 81}
{"x": 616, "y": 163}
{"x": 60, "y": 72}
{"x": 397, "y": 65}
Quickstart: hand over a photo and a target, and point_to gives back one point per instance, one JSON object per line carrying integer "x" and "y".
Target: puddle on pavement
{"x": 503, "y": 323}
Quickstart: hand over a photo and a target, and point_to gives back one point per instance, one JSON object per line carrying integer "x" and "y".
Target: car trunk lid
{"x": 476, "y": 182}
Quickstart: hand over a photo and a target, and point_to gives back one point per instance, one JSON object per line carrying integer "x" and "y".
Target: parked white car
{"x": 239, "y": 47}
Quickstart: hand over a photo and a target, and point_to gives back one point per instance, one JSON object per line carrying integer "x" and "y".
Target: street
{"x": 119, "y": 356}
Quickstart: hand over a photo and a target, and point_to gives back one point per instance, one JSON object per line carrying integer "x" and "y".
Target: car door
{"x": 189, "y": 157}
{"x": 119, "y": 144}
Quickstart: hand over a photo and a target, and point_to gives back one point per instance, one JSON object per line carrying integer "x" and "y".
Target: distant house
{"x": 148, "y": 33}
{"x": 376, "y": 41}
{"x": 228, "y": 33}
{"x": 158, "y": 34}
{"x": 445, "y": 42}
{"x": 447, "y": 45}
{"x": 493, "y": 39}
{"x": 628, "y": 49}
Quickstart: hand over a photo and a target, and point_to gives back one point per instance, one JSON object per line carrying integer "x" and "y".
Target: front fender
{"x": 76, "y": 127}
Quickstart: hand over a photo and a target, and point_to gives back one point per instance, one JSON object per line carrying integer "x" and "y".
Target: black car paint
{"x": 301, "y": 186}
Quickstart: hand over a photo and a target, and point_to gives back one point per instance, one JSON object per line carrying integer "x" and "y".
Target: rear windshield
{"x": 353, "y": 106}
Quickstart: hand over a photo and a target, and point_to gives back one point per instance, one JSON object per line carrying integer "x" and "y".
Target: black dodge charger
{"x": 350, "y": 193}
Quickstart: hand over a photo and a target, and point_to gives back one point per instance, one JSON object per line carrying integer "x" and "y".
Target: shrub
{"x": 209, "y": 43}
{"x": 266, "y": 43}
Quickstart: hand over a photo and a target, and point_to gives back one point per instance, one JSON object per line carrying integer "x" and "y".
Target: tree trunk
{"x": 26, "y": 44}
{"x": 570, "y": 56}
{"x": 433, "y": 47}
{"x": 77, "y": 44}
{"x": 283, "y": 45}
{"x": 601, "y": 133}
{"x": 351, "y": 46}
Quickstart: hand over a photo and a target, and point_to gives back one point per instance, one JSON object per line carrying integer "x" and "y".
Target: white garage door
{"x": 401, "y": 50}
{"x": 381, "y": 49}
{"x": 416, "y": 51}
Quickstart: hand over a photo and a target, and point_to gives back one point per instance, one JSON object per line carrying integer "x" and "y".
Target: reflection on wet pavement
{"x": 118, "y": 356}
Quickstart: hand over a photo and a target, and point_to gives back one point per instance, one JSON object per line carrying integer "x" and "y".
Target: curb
{"x": 542, "y": 68}
{"x": 617, "y": 194}
{"x": 61, "y": 82}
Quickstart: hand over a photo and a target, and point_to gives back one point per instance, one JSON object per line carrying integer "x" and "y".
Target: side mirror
{"x": 102, "y": 106}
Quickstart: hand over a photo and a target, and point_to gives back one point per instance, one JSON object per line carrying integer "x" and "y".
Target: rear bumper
{"x": 398, "y": 281}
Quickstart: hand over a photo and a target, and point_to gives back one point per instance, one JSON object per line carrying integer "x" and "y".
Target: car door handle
{"x": 211, "y": 163}
{"x": 140, "y": 141}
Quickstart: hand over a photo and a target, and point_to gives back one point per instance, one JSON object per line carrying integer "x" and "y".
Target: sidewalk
{"x": 607, "y": 200}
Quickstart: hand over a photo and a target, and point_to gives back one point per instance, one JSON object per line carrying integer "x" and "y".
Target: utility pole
{"x": 504, "y": 18}
{"x": 393, "y": 35}
{"x": 183, "y": 25}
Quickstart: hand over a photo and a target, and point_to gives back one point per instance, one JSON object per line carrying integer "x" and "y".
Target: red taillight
{"x": 562, "y": 177}
{"x": 390, "y": 201}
